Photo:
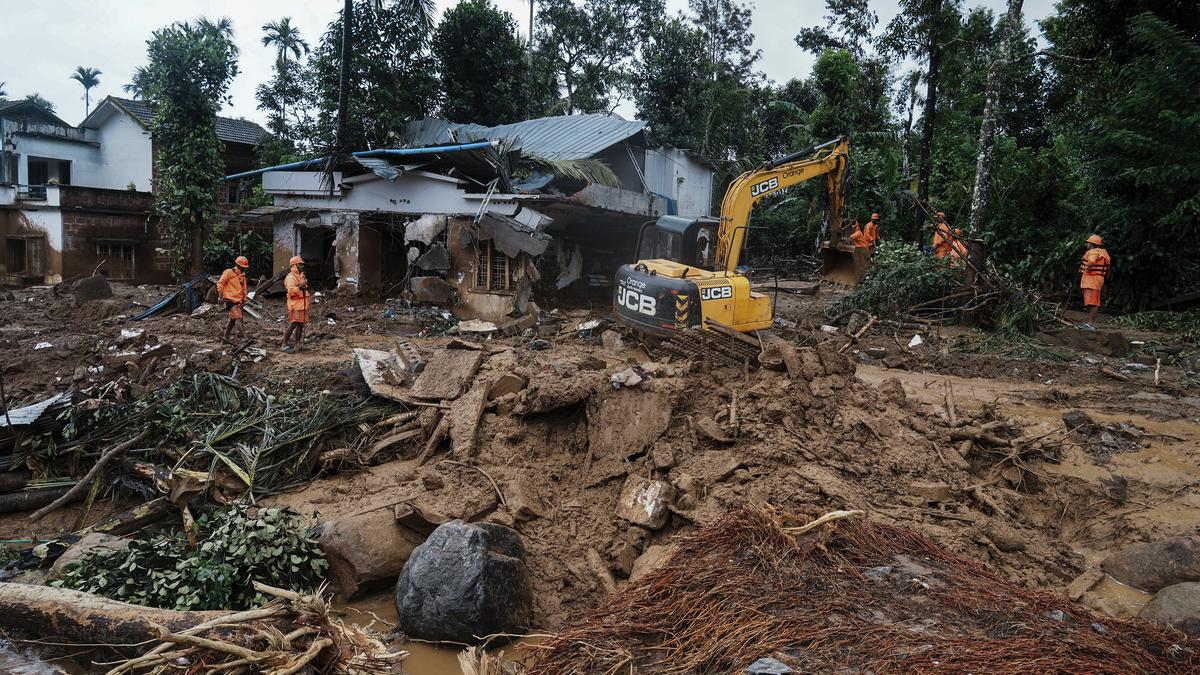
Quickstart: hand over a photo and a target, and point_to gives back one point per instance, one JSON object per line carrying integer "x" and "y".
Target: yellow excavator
{"x": 687, "y": 273}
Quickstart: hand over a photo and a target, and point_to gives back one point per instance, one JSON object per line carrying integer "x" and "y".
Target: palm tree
{"x": 87, "y": 78}
{"x": 37, "y": 99}
{"x": 286, "y": 39}
{"x": 2, "y": 92}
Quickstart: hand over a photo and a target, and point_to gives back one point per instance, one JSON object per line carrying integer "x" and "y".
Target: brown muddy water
{"x": 377, "y": 611}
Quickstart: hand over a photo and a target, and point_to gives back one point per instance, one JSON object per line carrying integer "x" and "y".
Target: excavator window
{"x": 688, "y": 241}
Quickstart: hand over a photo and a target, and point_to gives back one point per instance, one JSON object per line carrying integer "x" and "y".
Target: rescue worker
{"x": 1093, "y": 270}
{"x": 860, "y": 239}
{"x": 941, "y": 236}
{"x": 872, "y": 232}
{"x": 234, "y": 293}
{"x": 297, "y": 302}
{"x": 958, "y": 250}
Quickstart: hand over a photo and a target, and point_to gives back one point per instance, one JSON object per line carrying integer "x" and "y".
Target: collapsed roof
{"x": 562, "y": 137}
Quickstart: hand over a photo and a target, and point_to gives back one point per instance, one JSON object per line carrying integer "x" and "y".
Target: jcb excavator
{"x": 688, "y": 271}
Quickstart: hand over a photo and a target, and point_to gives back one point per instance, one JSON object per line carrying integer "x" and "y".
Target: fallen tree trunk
{"x": 74, "y": 616}
{"x": 14, "y": 480}
{"x": 15, "y": 502}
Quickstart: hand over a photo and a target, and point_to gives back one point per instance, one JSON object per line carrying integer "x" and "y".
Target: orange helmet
{"x": 242, "y": 261}
{"x": 1095, "y": 239}
{"x": 957, "y": 231}
{"x": 874, "y": 216}
{"x": 941, "y": 214}
{"x": 296, "y": 260}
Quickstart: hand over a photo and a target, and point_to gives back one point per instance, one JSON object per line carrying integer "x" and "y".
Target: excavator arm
{"x": 828, "y": 159}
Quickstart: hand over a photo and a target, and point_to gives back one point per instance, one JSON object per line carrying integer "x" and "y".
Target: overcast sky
{"x": 43, "y": 42}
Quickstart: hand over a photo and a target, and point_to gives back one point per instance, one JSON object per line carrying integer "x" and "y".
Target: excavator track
{"x": 720, "y": 345}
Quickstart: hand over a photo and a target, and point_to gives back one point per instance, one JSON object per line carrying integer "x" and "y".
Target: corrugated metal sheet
{"x": 562, "y": 137}
{"x": 31, "y": 413}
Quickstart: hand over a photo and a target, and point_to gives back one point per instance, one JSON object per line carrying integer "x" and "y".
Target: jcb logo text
{"x": 716, "y": 293}
{"x": 764, "y": 187}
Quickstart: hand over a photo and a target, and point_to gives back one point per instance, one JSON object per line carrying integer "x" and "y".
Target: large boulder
{"x": 1153, "y": 566}
{"x": 1177, "y": 606}
{"x": 92, "y": 288}
{"x": 467, "y": 581}
{"x": 366, "y": 547}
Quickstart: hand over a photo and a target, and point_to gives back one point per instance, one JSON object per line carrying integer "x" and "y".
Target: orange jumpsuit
{"x": 1093, "y": 270}
{"x": 297, "y": 299}
{"x": 232, "y": 288}
{"x": 872, "y": 233}
{"x": 860, "y": 239}
{"x": 941, "y": 240}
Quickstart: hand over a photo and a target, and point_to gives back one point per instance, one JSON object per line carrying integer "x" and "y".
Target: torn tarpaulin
{"x": 511, "y": 236}
{"x": 570, "y": 261}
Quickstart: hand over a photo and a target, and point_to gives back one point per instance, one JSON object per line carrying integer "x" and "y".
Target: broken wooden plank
{"x": 465, "y": 415}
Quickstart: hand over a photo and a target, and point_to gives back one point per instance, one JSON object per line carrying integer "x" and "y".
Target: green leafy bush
{"x": 236, "y": 546}
{"x": 221, "y": 248}
{"x": 900, "y": 276}
{"x": 1185, "y": 324}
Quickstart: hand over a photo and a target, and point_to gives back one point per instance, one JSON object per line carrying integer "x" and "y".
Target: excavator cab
{"x": 688, "y": 241}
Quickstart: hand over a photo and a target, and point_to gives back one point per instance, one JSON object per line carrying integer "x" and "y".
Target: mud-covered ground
{"x": 1036, "y": 502}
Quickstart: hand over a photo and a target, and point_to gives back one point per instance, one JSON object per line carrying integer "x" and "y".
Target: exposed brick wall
{"x": 92, "y": 216}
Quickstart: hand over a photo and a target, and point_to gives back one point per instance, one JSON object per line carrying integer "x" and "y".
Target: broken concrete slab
{"x": 447, "y": 375}
{"x": 433, "y": 290}
{"x": 382, "y": 372}
{"x": 523, "y": 501}
{"x": 437, "y": 258}
{"x": 645, "y": 502}
{"x": 465, "y": 415}
{"x": 711, "y": 467}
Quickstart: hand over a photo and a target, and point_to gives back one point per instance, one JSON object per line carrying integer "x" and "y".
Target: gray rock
{"x": 467, "y": 581}
{"x": 433, "y": 290}
{"x": 1078, "y": 418}
{"x": 1153, "y": 566}
{"x": 1178, "y": 606}
{"x": 93, "y": 288}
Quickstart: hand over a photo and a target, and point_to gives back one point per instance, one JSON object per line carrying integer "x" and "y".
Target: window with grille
{"x": 492, "y": 268}
{"x": 119, "y": 259}
{"x": 442, "y": 238}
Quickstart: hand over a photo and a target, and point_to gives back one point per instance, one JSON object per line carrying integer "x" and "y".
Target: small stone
{"x": 644, "y": 502}
{"x": 931, "y": 492}
{"x": 662, "y": 457}
{"x": 897, "y": 361}
{"x": 1077, "y": 418}
{"x": 506, "y": 384}
{"x": 611, "y": 339}
{"x": 1099, "y": 628}
{"x": 637, "y": 536}
{"x": 432, "y": 482}
{"x": 1056, "y": 615}
{"x": 623, "y": 556}
{"x": 878, "y": 573}
{"x": 654, "y": 558}
{"x": 768, "y": 666}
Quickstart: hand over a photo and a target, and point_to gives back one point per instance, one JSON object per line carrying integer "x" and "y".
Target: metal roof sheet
{"x": 562, "y": 137}
{"x": 31, "y": 413}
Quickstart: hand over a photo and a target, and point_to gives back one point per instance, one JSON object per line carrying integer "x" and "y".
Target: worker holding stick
{"x": 297, "y": 302}
{"x": 234, "y": 293}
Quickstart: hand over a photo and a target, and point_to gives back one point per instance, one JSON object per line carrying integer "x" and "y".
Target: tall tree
{"x": 2, "y": 92}
{"x": 987, "y": 128}
{"x": 921, "y": 30}
{"x": 87, "y": 78}
{"x": 386, "y": 77}
{"x": 484, "y": 71}
{"x": 186, "y": 80}
{"x": 284, "y": 88}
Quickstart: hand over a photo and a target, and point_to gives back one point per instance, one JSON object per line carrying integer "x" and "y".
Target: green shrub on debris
{"x": 235, "y": 547}
{"x": 899, "y": 277}
{"x": 1185, "y": 324}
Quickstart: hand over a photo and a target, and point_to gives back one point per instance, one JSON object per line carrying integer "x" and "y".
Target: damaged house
{"x": 483, "y": 218}
{"x": 78, "y": 199}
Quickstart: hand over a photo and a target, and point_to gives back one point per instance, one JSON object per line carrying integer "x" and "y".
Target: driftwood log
{"x": 77, "y": 617}
{"x": 14, "y": 480}
{"x": 28, "y": 500}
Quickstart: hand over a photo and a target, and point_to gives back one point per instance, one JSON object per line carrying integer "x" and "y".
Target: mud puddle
{"x": 377, "y": 611}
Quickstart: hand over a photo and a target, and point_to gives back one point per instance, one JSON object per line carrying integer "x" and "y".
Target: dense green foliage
{"x": 484, "y": 74}
{"x": 235, "y": 547}
{"x": 186, "y": 80}
{"x": 222, "y": 247}
{"x": 1095, "y": 132}
{"x": 900, "y": 276}
{"x": 279, "y": 96}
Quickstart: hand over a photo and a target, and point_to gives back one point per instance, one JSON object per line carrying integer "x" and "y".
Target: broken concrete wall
{"x": 308, "y": 236}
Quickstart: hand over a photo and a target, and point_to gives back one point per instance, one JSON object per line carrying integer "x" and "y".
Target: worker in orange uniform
{"x": 859, "y": 237}
{"x": 958, "y": 250}
{"x": 872, "y": 232}
{"x": 1093, "y": 270}
{"x": 234, "y": 293}
{"x": 941, "y": 236}
{"x": 297, "y": 302}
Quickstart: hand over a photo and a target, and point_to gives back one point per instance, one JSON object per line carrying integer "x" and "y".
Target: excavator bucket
{"x": 844, "y": 265}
